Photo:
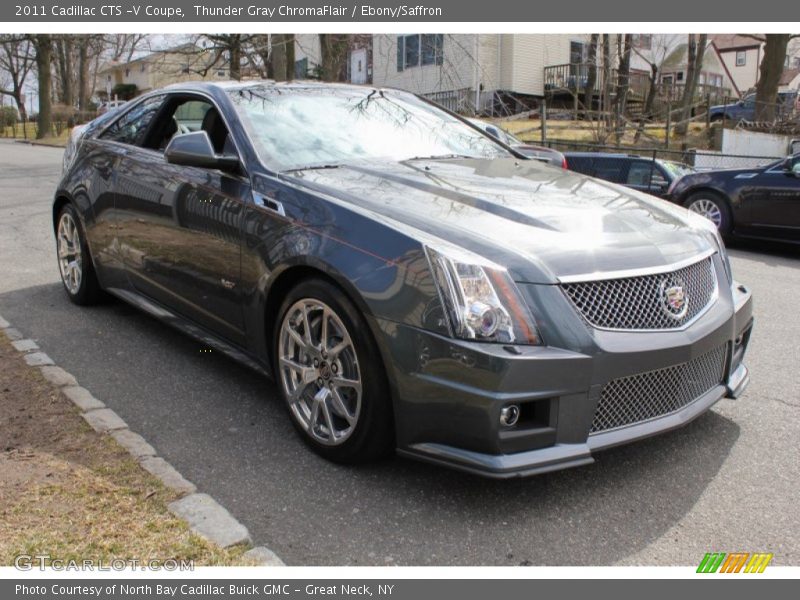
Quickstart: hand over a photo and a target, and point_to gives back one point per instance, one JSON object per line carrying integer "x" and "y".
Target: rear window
{"x": 609, "y": 169}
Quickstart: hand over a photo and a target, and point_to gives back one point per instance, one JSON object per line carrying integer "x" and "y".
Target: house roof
{"x": 728, "y": 42}
{"x": 180, "y": 49}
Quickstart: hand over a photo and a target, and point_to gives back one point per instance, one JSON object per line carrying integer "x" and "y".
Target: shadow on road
{"x": 222, "y": 425}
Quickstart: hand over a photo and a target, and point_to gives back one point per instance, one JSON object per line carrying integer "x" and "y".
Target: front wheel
{"x": 712, "y": 207}
{"x": 74, "y": 262}
{"x": 331, "y": 377}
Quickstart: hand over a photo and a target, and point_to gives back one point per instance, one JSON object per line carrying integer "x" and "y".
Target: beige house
{"x": 157, "y": 69}
{"x": 462, "y": 71}
{"x": 741, "y": 56}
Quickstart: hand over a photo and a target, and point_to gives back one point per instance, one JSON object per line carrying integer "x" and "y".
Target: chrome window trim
{"x": 638, "y": 272}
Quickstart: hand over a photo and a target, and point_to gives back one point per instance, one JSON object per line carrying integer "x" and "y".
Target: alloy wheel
{"x": 319, "y": 371}
{"x": 709, "y": 209}
{"x": 70, "y": 255}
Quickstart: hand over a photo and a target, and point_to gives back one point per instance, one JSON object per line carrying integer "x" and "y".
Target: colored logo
{"x": 673, "y": 298}
{"x": 735, "y": 562}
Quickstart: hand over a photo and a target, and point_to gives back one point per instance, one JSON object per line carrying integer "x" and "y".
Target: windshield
{"x": 677, "y": 169}
{"x": 296, "y": 127}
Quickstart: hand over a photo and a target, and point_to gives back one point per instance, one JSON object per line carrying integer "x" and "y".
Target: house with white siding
{"x": 462, "y": 71}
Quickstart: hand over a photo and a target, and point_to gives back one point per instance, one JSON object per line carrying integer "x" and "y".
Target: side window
{"x": 580, "y": 164}
{"x": 639, "y": 173}
{"x": 186, "y": 115}
{"x": 131, "y": 127}
{"x": 609, "y": 169}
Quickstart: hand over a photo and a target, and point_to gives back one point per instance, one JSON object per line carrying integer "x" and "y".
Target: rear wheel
{"x": 330, "y": 375}
{"x": 713, "y": 207}
{"x": 74, "y": 262}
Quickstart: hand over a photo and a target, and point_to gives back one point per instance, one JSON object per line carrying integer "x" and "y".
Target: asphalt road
{"x": 727, "y": 482}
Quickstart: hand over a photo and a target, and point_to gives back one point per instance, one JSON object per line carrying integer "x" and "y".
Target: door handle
{"x": 268, "y": 203}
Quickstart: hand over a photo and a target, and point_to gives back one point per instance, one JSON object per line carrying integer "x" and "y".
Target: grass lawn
{"x": 73, "y": 494}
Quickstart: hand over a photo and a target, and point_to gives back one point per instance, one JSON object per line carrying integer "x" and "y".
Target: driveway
{"x": 727, "y": 482}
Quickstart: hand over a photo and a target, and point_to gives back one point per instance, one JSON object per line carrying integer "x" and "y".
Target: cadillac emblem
{"x": 673, "y": 298}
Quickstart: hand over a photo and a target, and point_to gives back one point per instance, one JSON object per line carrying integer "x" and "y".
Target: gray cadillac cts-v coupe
{"x": 410, "y": 283}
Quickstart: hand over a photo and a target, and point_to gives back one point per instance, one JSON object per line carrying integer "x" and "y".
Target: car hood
{"x": 542, "y": 223}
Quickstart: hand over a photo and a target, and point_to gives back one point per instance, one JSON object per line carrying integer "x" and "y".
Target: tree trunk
{"x": 43, "y": 46}
{"x": 83, "y": 73}
{"x": 279, "y": 62}
{"x": 333, "y": 50}
{"x": 770, "y": 74}
{"x": 235, "y": 54}
{"x": 623, "y": 85}
{"x": 606, "y": 103}
{"x": 591, "y": 75}
{"x": 696, "y": 52}
{"x": 647, "y": 109}
{"x": 289, "y": 37}
{"x": 64, "y": 53}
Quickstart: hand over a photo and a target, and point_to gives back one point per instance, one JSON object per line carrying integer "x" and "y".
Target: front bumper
{"x": 449, "y": 393}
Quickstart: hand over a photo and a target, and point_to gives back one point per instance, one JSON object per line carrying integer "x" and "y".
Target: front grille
{"x": 645, "y": 302}
{"x": 646, "y": 396}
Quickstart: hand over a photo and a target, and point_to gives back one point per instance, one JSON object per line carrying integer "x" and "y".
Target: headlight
{"x": 481, "y": 301}
{"x": 704, "y": 223}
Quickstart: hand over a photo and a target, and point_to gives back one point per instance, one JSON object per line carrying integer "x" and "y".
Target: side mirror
{"x": 195, "y": 150}
{"x": 789, "y": 167}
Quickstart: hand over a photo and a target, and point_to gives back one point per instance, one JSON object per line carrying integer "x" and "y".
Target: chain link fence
{"x": 703, "y": 160}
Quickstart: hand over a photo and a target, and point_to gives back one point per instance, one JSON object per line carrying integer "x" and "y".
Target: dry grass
{"x": 530, "y": 130}
{"x": 27, "y": 131}
{"x": 73, "y": 494}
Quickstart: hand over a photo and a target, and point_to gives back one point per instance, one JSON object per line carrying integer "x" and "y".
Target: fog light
{"x": 509, "y": 415}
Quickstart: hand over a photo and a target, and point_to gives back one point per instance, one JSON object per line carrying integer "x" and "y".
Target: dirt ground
{"x": 73, "y": 494}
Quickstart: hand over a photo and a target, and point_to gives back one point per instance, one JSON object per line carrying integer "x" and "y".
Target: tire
{"x": 74, "y": 260}
{"x": 341, "y": 422}
{"x": 714, "y": 207}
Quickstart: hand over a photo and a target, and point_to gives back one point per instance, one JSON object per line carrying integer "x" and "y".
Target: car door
{"x": 104, "y": 154}
{"x": 181, "y": 226}
{"x": 775, "y": 210}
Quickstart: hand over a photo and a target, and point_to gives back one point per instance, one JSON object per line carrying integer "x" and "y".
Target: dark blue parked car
{"x": 745, "y": 109}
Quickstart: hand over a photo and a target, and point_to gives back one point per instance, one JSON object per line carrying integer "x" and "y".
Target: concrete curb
{"x": 204, "y": 515}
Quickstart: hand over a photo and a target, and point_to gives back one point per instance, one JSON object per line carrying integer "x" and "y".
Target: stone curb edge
{"x": 204, "y": 515}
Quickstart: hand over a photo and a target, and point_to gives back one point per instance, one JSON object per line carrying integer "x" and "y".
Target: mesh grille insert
{"x": 658, "y": 301}
{"x": 654, "y": 394}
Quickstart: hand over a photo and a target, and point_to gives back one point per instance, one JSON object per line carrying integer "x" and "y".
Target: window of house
{"x": 142, "y": 68}
{"x": 415, "y": 50}
{"x": 679, "y": 76}
{"x": 577, "y": 53}
{"x": 666, "y": 79}
{"x": 432, "y": 47}
{"x": 741, "y": 58}
{"x": 643, "y": 41}
{"x": 131, "y": 127}
{"x": 127, "y": 72}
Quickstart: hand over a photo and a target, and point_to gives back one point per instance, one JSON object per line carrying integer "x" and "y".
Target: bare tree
{"x": 16, "y": 61}
{"x": 333, "y": 59}
{"x": 63, "y": 45}
{"x": 121, "y": 47}
{"x": 624, "y": 44}
{"x": 695, "y": 53}
{"x": 772, "y": 65}
{"x": 43, "y": 46}
{"x": 591, "y": 75}
{"x": 661, "y": 45}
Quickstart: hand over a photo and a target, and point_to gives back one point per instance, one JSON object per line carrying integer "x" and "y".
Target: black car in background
{"x": 762, "y": 202}
{"x": 652, "y": 176}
